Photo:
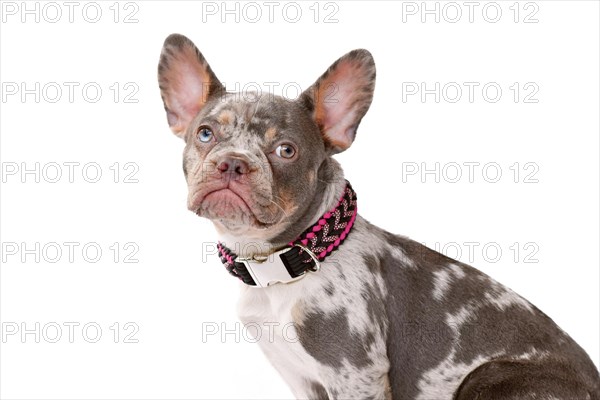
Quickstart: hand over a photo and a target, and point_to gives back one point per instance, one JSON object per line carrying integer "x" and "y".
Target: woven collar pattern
{"x": 321, "y": 239}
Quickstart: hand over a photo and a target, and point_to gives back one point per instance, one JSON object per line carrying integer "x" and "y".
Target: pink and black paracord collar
{"x": 315, "y": 243}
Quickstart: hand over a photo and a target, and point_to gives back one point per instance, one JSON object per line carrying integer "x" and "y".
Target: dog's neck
{"x": 330, "y": 186}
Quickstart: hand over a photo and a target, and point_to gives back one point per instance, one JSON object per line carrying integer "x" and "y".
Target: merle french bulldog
{"x": 373, "y": 315}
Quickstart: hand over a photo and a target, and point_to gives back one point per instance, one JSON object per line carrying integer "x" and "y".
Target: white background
{"x": 175, "y": 287}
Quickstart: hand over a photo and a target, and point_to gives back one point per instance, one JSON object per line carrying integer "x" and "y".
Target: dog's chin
{"x": 230, "y": 210}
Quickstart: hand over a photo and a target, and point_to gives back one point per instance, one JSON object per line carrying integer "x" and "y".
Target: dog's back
{"x": 448, "y": 320}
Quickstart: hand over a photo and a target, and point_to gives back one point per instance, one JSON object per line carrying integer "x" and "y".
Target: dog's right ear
{"x": 186, "y": 82}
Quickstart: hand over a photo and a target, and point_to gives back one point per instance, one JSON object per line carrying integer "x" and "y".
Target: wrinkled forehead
{"x": 267, "y": 118}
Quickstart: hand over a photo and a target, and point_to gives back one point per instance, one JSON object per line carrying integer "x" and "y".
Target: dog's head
{"x": 254, "y": 166}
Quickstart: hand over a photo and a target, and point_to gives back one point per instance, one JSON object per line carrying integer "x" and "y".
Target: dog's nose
{"x": 234, "y": 166}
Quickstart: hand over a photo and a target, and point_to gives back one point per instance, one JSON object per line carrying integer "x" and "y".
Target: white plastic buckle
{"x": 269, "y": 270}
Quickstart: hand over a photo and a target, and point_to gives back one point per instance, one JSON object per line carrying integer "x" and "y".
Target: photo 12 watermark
{"x": 250, "y": 332}
{"x": 470, "y": 92}
{"x": 452, "y": 12}
{"x": 213, "y": 332}
{"x": 492, "y": 252}
{"x": 69, "y": 332}
{"x": 69, "y": 172}
{"x": 469, "y": 172}
{"x": 70, "y": 92}
{"x": 55, "y": 12}
{"x": 69, "y": 252}
{"x": 252, "y": 12}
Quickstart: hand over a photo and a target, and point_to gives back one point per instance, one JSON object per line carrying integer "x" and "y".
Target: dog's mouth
{"x": 223, "y": 201}
{"x": 232, "y": 206}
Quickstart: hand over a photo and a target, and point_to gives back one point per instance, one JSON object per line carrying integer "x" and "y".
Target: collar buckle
{"x": 270, "y": 269}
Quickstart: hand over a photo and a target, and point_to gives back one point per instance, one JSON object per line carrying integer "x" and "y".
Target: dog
{"x": 375, "y": 315}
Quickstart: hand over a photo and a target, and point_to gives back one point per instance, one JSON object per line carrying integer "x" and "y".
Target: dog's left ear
{"x": 186, "y": 81}
{"x": 341, "y": 97}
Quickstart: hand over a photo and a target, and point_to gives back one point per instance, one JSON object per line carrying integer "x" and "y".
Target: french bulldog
{"x": 374, "y": 315}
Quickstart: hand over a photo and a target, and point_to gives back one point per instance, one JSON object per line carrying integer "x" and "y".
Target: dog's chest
{"x": 325, "y": 330}
{"x": 274, "y": 314}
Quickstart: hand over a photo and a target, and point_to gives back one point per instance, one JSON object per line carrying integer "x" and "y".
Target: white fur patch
{"x": 445, "y": 277}
{"x": 442, "y": 381}
{"x": 441, "y": 283}
{"x": 457, "y": 270}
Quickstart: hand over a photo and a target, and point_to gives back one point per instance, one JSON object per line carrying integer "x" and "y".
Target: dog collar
{"x": 300, "y": 256}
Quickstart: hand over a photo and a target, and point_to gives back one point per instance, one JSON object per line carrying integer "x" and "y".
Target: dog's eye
{"x": 205, "y": 135}
{"x": 285, "y": 151}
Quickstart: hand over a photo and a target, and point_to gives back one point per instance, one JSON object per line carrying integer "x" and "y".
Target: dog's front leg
{"x": 331, "y": 347}
{"x": 347, "y": 353}
{"x": 317, "y": 367}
